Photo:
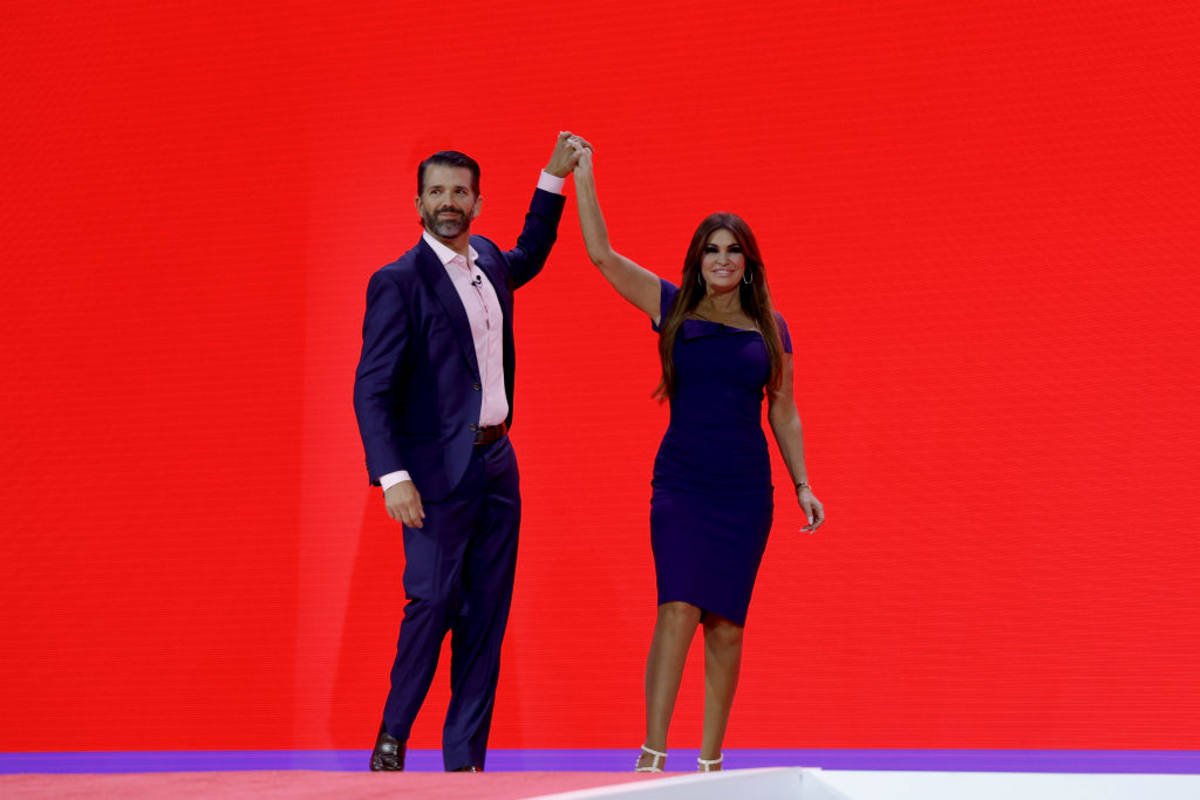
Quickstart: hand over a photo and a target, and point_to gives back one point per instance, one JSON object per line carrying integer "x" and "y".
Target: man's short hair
{"x": 449, "y": 158}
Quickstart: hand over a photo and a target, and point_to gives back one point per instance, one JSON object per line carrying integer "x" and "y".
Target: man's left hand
{"x": 563, "y": 159}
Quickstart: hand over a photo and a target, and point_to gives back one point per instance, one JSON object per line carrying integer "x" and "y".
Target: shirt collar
{"x": 445, "y": 254}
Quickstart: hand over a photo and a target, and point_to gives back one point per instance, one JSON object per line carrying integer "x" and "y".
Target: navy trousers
{"x": 458, "y": 578}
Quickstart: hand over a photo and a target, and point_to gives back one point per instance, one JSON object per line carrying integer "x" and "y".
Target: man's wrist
{"x": 549, "y": 182}
{"x": 392, "y": 478}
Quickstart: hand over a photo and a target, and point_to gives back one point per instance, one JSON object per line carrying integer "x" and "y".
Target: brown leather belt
{"x": 492, "y": 433}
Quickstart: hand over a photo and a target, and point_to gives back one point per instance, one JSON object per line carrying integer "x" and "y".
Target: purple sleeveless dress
{"x": 711, "y": 509}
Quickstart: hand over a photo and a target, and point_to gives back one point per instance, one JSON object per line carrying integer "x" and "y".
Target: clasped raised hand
{"x": 564, "y": 156}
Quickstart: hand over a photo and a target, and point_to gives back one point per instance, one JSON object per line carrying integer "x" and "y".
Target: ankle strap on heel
{"x": 656, "y": 764}
{"x": 707, "y": 764}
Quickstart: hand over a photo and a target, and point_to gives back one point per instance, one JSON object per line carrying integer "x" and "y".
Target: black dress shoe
{"x": 388, "y": 755}
{"x": 468, "y": 768}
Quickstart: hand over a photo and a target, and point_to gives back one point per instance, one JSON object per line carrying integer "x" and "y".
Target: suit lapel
{"x": 434, "y": 273}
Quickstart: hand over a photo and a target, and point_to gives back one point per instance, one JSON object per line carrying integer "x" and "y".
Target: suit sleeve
{"x": 537, "y": 237}
{"x": 376, "y": 381}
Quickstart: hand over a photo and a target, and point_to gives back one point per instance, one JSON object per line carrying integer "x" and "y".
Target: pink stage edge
{"x": 307, "y": 783}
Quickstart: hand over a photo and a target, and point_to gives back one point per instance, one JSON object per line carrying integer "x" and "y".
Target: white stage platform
{"x": 795, "y": 783}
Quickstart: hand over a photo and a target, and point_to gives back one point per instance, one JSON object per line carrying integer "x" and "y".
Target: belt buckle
{"x": 490, "y": 434}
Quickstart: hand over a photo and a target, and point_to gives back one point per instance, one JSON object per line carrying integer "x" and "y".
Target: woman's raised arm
{"x": 636, "y": 284}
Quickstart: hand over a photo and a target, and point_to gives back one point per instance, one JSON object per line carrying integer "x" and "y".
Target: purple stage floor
{"x": 1162, "y": 762}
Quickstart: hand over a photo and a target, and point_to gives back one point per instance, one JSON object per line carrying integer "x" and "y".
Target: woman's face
{"x": 723, "y": 262}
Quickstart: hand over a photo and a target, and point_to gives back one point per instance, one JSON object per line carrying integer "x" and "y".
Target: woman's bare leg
{"x": 673, "y": 632}
{"x": 722, "y": 662}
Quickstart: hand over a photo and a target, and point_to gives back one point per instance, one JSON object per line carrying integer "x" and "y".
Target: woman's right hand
{"x": 583, "y": 153}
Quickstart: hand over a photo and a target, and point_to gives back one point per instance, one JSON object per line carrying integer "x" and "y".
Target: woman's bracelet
{"x": 802, "y": 485}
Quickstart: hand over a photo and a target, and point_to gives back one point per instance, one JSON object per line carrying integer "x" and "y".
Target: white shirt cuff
{"x": 551, "y": 183}
{"x": 392, "y": 478}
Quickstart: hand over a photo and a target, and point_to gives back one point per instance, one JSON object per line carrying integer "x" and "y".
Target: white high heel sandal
{"x": 710, "y": 764}
{"x": 656, "y": 763}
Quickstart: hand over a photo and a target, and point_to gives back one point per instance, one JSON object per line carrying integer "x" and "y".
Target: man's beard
{"x": 446, "y": 227}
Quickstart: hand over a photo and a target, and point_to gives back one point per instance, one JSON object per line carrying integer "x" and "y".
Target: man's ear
{"x": 475, "y": 208}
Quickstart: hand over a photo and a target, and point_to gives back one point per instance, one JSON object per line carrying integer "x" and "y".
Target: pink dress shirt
{"x": 487, "y": 326}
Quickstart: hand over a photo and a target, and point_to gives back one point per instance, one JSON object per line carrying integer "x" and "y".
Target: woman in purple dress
{"x": 722, "y": 349}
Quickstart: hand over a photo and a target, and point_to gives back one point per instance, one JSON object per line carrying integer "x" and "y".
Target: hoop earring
{"x": 699, "y": 280}
{"x": 747, "y": 277}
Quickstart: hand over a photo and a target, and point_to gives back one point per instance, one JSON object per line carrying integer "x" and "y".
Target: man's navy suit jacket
{"x": 417, "y": 390}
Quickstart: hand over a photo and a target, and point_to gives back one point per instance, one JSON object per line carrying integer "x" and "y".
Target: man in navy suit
{"x": 433, "y": 394}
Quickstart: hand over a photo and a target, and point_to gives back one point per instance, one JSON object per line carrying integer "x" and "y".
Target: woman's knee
{"x": 722, "y": 634}
{"x": 678, "y": 615}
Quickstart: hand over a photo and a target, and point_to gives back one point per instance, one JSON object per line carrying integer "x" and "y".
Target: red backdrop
{"x": 979, "y": 220}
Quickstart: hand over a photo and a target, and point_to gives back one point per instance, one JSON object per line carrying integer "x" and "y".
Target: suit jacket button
{"x": 478, "y": 387}
{"x": 474, "y": 427}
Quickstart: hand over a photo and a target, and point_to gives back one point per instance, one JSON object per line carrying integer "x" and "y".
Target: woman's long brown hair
{"x": 755, "y": 297}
